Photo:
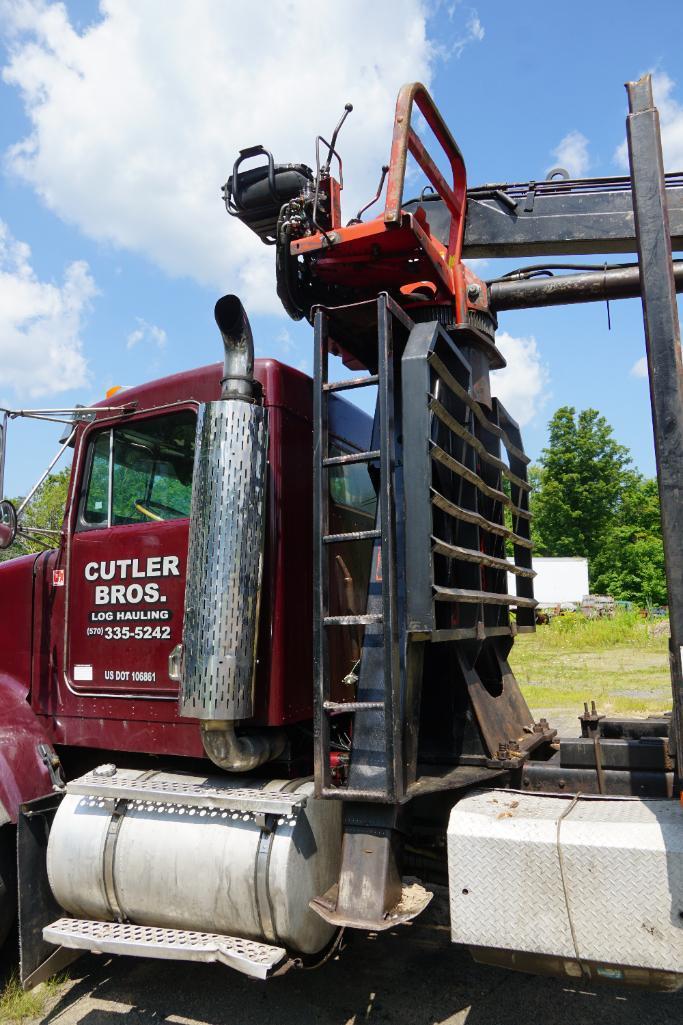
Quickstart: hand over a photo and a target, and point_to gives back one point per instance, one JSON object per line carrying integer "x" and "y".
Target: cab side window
{"x": 353, "y": 504}
{"x": 95, "y": 511}
{"x": 140, "y": 472}
{"x": 352, "y": 493}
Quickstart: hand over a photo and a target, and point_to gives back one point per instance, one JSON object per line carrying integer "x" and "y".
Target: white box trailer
{"x": 557, "y": 580}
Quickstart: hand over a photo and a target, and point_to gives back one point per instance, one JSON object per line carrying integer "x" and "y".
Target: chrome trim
{"x": 224, "y": 561}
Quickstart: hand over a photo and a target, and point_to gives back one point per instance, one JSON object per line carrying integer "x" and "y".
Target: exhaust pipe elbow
{"x": 239, "y": 754}
{"x": 238, "y": 344}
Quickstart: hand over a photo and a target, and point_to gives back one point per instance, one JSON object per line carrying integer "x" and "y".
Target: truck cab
{"x": 107, "y": 603}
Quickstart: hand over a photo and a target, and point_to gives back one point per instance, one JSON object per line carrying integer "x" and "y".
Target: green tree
{"x": 45, "y": 510}
{"x": 583, "y": 474}
{"x": 630, "y": 563}
{"x": 588, "y": 500}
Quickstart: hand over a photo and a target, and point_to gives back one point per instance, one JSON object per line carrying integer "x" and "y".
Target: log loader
{"x": 256, "y": 692}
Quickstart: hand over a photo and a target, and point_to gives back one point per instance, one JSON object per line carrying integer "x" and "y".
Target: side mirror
{"x": 3, "y": 446}
{"x": 8, "y": 524}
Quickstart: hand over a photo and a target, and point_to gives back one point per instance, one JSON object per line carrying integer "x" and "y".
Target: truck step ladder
{"x": 107, "y": 782}
{"x": 378, "y": 710}
{"x": 258, "y": 960}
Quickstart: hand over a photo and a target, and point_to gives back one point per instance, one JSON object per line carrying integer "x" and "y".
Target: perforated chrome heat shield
{"x": 224, "y": 561}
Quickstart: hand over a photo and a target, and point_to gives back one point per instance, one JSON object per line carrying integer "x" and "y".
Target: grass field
{"x": 17, "y": 1006}
{"x": 621, "y": 664}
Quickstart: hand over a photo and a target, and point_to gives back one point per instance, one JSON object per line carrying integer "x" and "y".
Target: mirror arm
{"x": 40, "y": 530}
{"x": 46, "y": 474}
{"x": 3, "y": 446}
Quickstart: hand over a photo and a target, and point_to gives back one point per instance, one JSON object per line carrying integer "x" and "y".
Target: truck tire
{"x": 8, "y": 881}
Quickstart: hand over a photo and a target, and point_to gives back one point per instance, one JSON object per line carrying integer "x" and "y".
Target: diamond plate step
{"x": 257, "y": 960}
{"x": 125, "y": 784}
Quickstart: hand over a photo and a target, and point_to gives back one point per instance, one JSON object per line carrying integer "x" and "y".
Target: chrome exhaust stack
{"x": 225, "y": 557}
{"x": 238, "y": 344}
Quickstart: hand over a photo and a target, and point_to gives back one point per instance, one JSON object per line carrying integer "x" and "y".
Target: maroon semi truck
{"x": 257, "y": 690}
{"x": 89, "y": 629}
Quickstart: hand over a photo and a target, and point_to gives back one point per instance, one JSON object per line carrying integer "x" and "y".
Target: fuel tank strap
{"x": 269, "y": 824}
{"x": 109, "y": 849}
{"x": 108, "y": 855}
{"x": 261, "y": 887}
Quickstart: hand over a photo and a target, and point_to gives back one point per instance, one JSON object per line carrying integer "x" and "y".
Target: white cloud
{"x": 639, "y": 368}
{"x": 572, "y": 154}
{"x": 670, "y": 122}
{"x": 41, "y": 322}
{"x": 473, "y": 31}
{"x": 145, "y": 332}
{"x": 475, "y": 27}
{"x": 137, "y": 119}
{"x": 522, "y": 386}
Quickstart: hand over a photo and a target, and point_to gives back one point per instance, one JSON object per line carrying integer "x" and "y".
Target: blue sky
{"x": 119, "y": 122}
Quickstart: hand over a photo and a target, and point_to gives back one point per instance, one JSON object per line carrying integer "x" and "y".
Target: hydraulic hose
{"x": 593, "y": 286}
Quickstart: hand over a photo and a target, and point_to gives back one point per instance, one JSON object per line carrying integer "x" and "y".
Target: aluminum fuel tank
{"x": 233, "y": 856}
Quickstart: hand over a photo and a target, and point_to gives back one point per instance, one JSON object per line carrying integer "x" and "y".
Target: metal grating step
{"x": 248, "y": 956}
{"x": 128, "y": 785}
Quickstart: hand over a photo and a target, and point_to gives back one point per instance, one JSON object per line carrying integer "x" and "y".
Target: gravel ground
{"x": 410, "y": 976}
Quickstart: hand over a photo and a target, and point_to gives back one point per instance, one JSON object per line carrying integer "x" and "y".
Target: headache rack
{"x": 452, "y": 527}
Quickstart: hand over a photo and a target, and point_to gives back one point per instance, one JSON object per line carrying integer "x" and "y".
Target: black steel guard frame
{"x": 663, "y": 346}
{"x": 460, "y": 524}
{"x": 642, "y": 214}
{"x": 369, "y": 884}
{"x": 645, "y": 214}
{"x": 447, "y": 506}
